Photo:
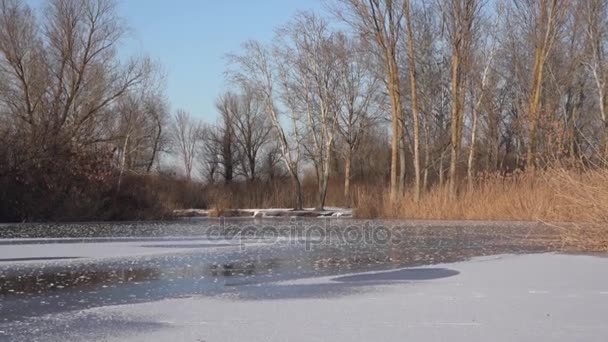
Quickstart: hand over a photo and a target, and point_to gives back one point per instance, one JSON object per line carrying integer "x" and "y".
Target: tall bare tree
{"x": 186, "y": 135}
{"x": 208, "y": 160}
{"x": 359, "y": 111}
{"x": 253, "y": 129}
{"x": 381, "y": 21}
{"x": 223, "y": 136}
{"x": 545, "y": 17}
{"x": 310, "y": 73}
{"x": 462, "y": 21}
{"x": 595, "y": 14}
{"x": 256, "y": 69}
{"x": 414, "y": 98}
{"x": 477, "y": 89}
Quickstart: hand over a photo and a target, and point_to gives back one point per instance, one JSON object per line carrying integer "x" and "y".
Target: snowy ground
{"x": 542, "y": 297}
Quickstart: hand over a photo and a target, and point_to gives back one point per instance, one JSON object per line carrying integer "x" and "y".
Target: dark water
{"x": 245, "y": 267}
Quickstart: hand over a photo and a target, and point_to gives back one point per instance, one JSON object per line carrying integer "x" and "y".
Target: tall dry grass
{"x": 270, "y": 194}
{"x": 556, "y": 195}
{"x": 574, "y": 202}
{"x": 585, "y": 196}
{"x": 493, "y": 197}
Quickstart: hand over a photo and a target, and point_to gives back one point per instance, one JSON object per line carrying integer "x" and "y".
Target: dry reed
{"x": 575, "y": 203}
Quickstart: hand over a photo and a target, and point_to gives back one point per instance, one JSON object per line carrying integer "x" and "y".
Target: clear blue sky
{"x": 190, "y": 38}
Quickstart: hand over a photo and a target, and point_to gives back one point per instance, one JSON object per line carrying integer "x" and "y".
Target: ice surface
{"x": 542, "y": 297}
{"x": 35, "y": 251}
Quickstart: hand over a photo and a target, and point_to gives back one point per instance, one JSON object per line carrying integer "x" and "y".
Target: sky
{"x": 191, "y": 37}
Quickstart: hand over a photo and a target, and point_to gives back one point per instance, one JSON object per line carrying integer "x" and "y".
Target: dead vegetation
{"x": 574, "y": 203}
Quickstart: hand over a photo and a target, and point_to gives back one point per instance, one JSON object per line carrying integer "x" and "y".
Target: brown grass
{"x": 575, "y": 203}
{"x": 520, "y": 197}
{"x": 265, "y": 194}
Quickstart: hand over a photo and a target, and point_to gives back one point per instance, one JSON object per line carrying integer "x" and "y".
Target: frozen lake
{"x": 313, "y": 280}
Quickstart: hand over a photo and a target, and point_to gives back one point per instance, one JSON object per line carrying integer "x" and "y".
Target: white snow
{"x": 548, "y": 297}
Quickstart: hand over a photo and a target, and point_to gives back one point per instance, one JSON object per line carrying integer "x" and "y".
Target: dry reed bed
{"x": 574, "y": 203}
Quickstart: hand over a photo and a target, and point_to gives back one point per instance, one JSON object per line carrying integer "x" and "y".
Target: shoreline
{"x": 264, "y": 213}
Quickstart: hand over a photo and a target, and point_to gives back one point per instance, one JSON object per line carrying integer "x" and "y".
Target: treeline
{"x": 466, "y": 88}
{"x": 74, "y": 117}
{"x": 419, "y": 95}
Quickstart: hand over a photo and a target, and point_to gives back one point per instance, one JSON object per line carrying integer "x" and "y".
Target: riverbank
{"x": 266, "y": 213}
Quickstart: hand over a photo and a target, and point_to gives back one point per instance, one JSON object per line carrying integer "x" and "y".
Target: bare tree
{"x": 252, "y": 128}
{"x": 140, "y": 132}
{"x": 224, "y": 135}
{"x": 358, "y": 88}
{"x": 414, "y": 98}
{"x": 157, "y": 111}
{"x": 462, "y": 21}
{"x": 381, "y": 21}
{"x": 433, "y": 89}
{"x": 596, "y": 29}
{"x": 85, "y": 59}
{"x": 545, "y": 17}
{"x": 186, "y": 135}
{"x": 208, "y": 154}
{"x": 63, "y": 84}
{"x": 309, "y": 72}
{"x": 66, "y": 74}
{"x": 477, "y": 88}
{"x": 256, "y": 71}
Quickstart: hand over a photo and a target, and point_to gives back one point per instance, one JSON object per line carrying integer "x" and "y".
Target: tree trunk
{"x": 252, "y": 167}
{"x": 298, "y": 194}
{"x": 604, "y": 118}
{"x": 402, "y": 161}
{"x": 472, "y": 150}
{"x": 456, "y": 121}
{"x": 427, "y": 151}
{"x": 123, "y": 161}
{"x": 547, "y": 19}
{"x": 394, "y": 158}
{"x": 441, "y": 168}
{"x": 347, "y": 171}
{"x": 427, "y": 159}
{"x": 155, "y": 147}
{"x": 396, "y": 112}
{"x": 323, "y": 189}
{"x": 414, "y": 94}
{"x": 605, "y": 142}
{"x": 533, "y": 109}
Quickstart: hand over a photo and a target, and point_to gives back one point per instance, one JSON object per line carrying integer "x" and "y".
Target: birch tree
{"x": 381, "y": 22}
{"x": 477, "y": 88}
{"x": 595, "y": 14}
{"x": 256, "y": 69}
{"x": 359, "y": 110}
{"x": 414, "y": 97}
{"x": 462, "y": 21}
{"x": 310, "y": 73}
{"x": 545, "y": 17}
